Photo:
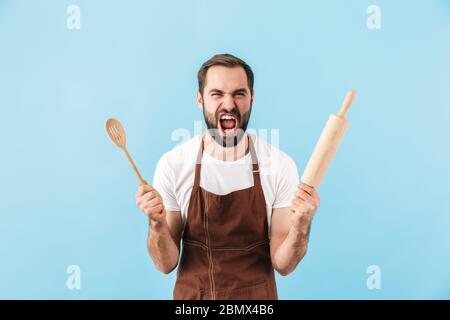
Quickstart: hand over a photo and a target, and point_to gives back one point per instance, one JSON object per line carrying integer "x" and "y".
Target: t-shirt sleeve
{"x": 286, "y": 183}
{"x": 164, "y": 183}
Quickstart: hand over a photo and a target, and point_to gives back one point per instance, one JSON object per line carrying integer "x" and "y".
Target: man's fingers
{"x": 144, "y": 188}
{"x": 308, "y": 195}
{"x": 147, "y": 196}
{"x": 308, "y": 189}
{"x": 154, "y": 202}
{"x": 152, "y": 208}
{"x": 302, "y": 194}
{"x": 150, "y": 195}
{"x": 305, "y": 187}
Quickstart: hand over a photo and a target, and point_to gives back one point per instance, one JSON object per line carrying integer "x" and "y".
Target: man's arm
{"x": 163, "y": 241}
{"x": 289, "y": 230}
{"x": 287, "y": 245}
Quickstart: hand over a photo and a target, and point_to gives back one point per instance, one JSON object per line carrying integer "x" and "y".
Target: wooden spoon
{"x": 116, "y": 133}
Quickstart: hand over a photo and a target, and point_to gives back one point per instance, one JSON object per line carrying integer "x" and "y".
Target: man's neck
{"x": 226, "y": 153}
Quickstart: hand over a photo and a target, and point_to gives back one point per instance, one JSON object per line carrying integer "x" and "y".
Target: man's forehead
{"x": 226, "y": 78}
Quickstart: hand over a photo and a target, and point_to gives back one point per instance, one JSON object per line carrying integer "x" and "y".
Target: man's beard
{"x": 212, "y": 123}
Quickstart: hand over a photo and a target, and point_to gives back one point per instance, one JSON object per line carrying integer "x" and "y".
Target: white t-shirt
{"x": 175, "y": 171}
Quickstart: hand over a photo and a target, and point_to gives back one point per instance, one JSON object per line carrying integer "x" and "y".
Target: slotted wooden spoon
{"x": 116, "y": 133}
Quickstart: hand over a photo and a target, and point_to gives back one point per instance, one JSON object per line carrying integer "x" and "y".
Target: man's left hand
{"x": 304, "y": 206}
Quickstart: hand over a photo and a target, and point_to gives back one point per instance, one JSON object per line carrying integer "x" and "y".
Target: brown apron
{"x": 226, "y": 249}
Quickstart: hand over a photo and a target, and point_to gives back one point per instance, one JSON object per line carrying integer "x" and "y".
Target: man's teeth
{"x": 227, "y": 117}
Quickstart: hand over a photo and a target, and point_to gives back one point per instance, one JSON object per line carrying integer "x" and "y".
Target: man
{"x": 239, "y": 220}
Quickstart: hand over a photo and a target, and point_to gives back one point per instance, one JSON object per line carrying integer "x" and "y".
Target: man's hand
{"x": 290, "y": 230}
{"x": 150, "y": 202}
{"x": 164, "y": 235}
{"x": 304, "y": 206}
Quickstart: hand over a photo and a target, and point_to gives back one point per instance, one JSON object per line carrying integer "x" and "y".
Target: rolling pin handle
{"x": 349, "y": 97}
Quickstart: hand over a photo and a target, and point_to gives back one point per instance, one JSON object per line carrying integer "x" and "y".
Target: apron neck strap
{"x": 250, "y": 147}
{"x": 255, "y": 165}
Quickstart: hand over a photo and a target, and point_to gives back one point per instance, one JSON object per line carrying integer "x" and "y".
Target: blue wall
{"x": 67, "y": 194}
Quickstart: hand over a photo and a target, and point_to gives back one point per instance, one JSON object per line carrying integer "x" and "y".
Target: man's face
{"x": 226, "y": 104}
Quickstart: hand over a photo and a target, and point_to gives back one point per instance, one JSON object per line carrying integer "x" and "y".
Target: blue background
{"x": 67, "y": 193}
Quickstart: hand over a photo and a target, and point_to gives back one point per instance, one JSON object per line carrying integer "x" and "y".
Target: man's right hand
{"x": 150, "y": 203}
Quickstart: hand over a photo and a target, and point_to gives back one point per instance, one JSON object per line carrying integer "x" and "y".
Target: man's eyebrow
{"x": 215, "y": 90}
{"x": 235, "y": 91}
{"x": 240, "y": 90}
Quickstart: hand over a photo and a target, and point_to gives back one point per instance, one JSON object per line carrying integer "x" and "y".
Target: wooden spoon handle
{"x": 138, "y": 175}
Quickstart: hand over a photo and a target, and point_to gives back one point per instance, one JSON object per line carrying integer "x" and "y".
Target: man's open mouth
{"x": 228, "y": 123}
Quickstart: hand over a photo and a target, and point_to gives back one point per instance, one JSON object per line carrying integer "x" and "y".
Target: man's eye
{"x": 216, "y": 94}
{"x": 240, "y": 94}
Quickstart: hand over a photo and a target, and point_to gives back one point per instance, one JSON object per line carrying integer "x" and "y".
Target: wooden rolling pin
{"x": 327, "y": 145}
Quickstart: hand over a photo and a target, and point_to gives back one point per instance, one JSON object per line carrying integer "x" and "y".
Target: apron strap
{"x": 198, "y": 164}
{"x": 255, "y": 166}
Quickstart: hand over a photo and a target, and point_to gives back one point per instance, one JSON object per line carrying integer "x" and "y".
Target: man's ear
{"x": 199, "y": 100}
{"x": 253, "y": 97}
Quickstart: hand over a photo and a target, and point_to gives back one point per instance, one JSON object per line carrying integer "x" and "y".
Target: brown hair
{"x": 226, "y": 60}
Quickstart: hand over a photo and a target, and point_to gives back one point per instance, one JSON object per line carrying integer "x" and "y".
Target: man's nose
{"x": 228, "y": 102}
